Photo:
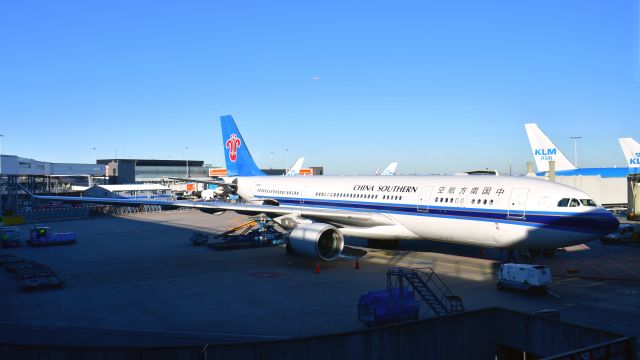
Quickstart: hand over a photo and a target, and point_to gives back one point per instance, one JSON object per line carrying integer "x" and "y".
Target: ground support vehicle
{"x": 525, "y": 277}
{"x": 382, "y": 307}
{"x": 42, "y": 236}
{"x": 9, "y": 237}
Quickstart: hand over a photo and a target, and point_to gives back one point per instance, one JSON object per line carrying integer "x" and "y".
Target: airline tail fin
{"x": 295, "y": 169}
{"x": 631, "y": 150}
{"x": 390, "y": 170}
{"x": 544, "y": 150}
{"x": 236, "y": 153}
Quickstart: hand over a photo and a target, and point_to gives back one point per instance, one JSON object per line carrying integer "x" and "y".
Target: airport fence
{"x": 53, "y": 214}
{"x": 492, "y": 333}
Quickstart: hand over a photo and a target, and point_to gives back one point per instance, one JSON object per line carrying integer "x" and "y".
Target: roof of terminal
{"x": 149, "y": 162}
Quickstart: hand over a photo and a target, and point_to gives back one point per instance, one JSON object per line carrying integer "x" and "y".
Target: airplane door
{"x": 517, "y": 202}
{"x": 300, "y": 195}
{"x": 423, "y": 200}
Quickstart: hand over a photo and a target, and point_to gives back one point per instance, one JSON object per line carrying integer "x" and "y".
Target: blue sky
{"x": 439, "y": 87}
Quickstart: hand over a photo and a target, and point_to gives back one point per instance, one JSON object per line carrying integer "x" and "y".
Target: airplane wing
{"x": 231, "y": 187}
{"x": 334, "y": 217}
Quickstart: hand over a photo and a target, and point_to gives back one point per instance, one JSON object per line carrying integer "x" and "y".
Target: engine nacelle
{"x": 318, "y": 241}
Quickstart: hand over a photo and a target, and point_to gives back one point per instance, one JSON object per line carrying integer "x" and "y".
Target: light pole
{"x": 186, "y": 150}
{"x": 575, "y": 148}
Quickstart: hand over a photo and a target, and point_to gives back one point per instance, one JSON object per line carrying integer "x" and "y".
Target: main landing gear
{"x": 528, "y": 256}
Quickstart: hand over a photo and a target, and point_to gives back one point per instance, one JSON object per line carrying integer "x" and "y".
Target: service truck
{"x": 525, "y": 277}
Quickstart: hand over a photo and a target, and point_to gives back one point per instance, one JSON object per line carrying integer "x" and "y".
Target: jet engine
{"x": 316, "y": 240}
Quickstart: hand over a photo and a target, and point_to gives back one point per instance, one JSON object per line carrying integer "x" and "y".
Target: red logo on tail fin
{"x": 233, "y": 143}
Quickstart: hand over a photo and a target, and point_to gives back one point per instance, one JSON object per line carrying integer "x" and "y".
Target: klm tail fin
{"x": 390, "y": 170}
{"x": 236, "y": 154}
{"x": 295, "y": 169}
{"x": 631, "y": 150}
{"x": 544, "y": 150}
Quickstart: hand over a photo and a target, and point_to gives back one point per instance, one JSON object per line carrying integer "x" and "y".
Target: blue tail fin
{"x": 236, "y": 154}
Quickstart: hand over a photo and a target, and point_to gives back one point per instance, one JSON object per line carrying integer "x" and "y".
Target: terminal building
{"x": 131, "y": 171}
{"x": 42, "y": 177}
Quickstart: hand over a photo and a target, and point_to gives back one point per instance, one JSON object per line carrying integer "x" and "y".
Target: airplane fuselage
{"x": 479, "y": 210}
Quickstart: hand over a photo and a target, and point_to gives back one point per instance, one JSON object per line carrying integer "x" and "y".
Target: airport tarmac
{"x": 137, "y": 280}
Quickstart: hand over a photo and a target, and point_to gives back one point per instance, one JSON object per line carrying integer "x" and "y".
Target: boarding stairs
{"x": 429, "y": 287}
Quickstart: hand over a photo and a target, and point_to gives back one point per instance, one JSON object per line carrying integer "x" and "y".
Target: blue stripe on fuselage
{"x": 596, "y": 222}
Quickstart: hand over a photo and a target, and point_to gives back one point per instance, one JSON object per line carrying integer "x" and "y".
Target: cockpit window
{"x": 574, "y": 203}
{"x": 563, "y": 203}
{"x": 588, "y": 202}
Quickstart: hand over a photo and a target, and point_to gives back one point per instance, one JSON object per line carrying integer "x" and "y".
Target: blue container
{"x": 383, "y": 307}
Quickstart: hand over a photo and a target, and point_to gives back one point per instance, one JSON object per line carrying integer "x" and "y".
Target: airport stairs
{"x": 428, "y": 286}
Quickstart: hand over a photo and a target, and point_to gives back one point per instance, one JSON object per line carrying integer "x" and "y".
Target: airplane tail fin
{"x": 390, "y": 170}
{"x": 236, "y": 153}
{"x": 544, "y": 150}
{"x": 295, "y": 169}
{"x": 631, "y": 150}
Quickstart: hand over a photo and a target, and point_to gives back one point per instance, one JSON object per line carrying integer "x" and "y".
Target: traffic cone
{"x": 317, "y": 267}
{"x": 357, "y": 263}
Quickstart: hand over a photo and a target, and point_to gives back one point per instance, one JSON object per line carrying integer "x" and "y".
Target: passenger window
{"x": 473, "y": 201}
{"x": 491, "y": 202}
{"x": 485, "y": 201}
{"x": 574, "y": 203}
{"x": 563, "y": 203}
{"x": 446, "y": 200}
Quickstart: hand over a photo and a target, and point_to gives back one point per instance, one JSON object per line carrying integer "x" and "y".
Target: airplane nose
{"x": 609, "y": 223}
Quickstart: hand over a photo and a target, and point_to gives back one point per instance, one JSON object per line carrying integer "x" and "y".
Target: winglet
{"x": 236, "y": 153}
{"x": 544, "y": 150}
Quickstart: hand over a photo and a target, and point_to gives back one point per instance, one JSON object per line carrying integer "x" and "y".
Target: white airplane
{"x": 544, "y": 150}
{"x": 295, "y": 169}
{"x": 631, "y": 150}
{"x": 491, "y": 211}
{"x": 390, "y": 170}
